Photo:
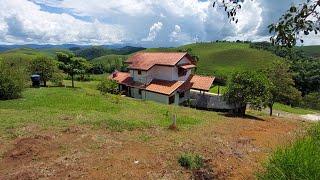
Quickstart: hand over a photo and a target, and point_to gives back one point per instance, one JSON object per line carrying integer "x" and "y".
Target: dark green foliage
{"x": 111, "y": 63}
{"x": 73, "y": 65}
{"x": 191, "y": 161}
{"x": 300, "y": 160}
{"x": 248, "y": 87}
{"x": 12, "y": 80}
{"x": 97, "y": 69}
{"x": 281, "y": 85}
{"x": 108, "y": 86}
{"x": 312, "y": 101}
{"x": 43, "y": 66}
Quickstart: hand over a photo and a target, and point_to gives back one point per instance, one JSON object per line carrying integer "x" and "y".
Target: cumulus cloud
{"x": 154, "y": 30}
{"x": 133, "y": 21}
{"x": 24, "y": 22}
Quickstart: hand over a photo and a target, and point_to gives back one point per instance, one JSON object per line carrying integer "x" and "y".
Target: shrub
{"x": 312, "y": 101}
{"x": 108, "y": 86}
{"x": 57, "y": 79}
{"x": 12, "y": 80}
{"x": 300, "y": 160}
{"x": 191, "y": 161}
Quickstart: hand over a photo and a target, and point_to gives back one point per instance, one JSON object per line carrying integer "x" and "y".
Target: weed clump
{"x": 191, "y": 161}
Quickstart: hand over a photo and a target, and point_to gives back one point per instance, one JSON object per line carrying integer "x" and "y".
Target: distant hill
{"x": 313, "y": 51}
{"x": 223, "y": 58}
{"x": 110, "y": 62}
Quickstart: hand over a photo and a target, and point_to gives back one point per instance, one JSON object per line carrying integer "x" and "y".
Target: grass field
{"x": 293, "y": 110}
{"x": 221, "y": 59}
{"x": 50, "y": 106}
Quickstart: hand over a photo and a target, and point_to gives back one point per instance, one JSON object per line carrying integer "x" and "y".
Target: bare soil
{"x": 233, "y": 148}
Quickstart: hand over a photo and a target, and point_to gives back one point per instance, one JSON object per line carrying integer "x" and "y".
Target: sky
{"x": 148, "y": 23}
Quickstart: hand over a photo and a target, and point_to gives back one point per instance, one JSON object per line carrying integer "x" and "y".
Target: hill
{"x": 313, "y": 51}
{"x": 223, "y": 58}
{"x": 110, "y": 62}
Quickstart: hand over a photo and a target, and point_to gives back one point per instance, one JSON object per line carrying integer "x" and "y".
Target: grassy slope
{"x": 108, "y": 59}
{"x": 313, "y": 51}
{"x": 59, "y": 107}
{"x": 224, "y": 58}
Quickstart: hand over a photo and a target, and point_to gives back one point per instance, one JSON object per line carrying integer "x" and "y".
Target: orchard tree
{"x": 281, "y": 85}
{"x": 248, "y": 87}
{"x": 43, "y": 66}
{"x": 72, "y": 65}
{"x": 302, "y": 18}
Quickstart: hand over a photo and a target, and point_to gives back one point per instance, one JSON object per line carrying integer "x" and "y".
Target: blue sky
{"x": 141, "y": 22}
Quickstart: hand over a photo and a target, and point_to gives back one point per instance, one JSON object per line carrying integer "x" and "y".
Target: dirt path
{"x": 233, "y": 149}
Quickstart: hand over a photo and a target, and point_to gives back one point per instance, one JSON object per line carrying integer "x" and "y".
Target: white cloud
{"x": 154, "y": 30}
{"x": 111, "y": 21}
{"x": 23, "y": 22}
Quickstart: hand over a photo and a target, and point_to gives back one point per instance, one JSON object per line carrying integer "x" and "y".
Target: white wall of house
{"x": 142, "y": 78}
{"x": 163, "y": 73}
{"x": 135, "y": 93}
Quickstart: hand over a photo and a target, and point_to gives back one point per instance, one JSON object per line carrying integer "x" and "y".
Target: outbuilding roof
{"x": 146, "y": 60}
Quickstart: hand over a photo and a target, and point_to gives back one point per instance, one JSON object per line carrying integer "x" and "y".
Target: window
{"x": 139, "y": 72}
{"x": 140, "y": 92}
{"x": 182, "y": 72}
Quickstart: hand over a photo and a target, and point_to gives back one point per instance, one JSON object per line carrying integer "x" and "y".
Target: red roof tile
{"x": 164, "y": 87}
{"x": 197, "y": 82}
{"x": 146, "y": 60}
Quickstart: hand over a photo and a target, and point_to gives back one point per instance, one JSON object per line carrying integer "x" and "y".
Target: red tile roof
{"x": 202, "y": 83}
{"x": 164, "y": 87}
{"x": 125, "y": 79}
{"x": 146, "y": 60}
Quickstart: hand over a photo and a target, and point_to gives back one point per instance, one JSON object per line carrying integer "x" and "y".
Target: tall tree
{"x": 43, "y": 66}
{"x": 72, "y": 65}
{"x": 281, "y": 85}
{"x": 302, "y": 18}
{"x": 248, "y": 87}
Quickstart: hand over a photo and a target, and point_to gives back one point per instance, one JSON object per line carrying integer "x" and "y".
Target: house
{"x": 164, "y": 77}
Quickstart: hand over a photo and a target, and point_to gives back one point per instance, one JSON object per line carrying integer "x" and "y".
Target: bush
{"x": 12, "y": 80}
{"x": 300, "y": 160}
{"x": 312, "y": 101}
{"x": 108, "y": 86}
{"x": 191, "y": 161}
{"x": 57, "y": 79}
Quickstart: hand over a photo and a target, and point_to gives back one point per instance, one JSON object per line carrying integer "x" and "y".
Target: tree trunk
{"x": 72, "y": 81}
{"x": 271, "y": 109}
{"x": 243, "y": 110}
{"x": 45, "y": 83}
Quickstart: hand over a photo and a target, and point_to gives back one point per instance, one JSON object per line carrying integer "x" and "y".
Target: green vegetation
{"x": 248, "y": 87}
{"x": 12, "y": 80}
{"x": 218, "y": 89}
{"x": 293, "y": 110}
{"x": 111, "y": 62}
{"x": 45, "y": 67}
{"x": 222, "y": 58}
{"x": 62, "y": 107}
{"x": 300, "y": 160}
{"x": 108, "y": 86}
{"x": 313, "y": 51}
{"x": 191, "y": 161}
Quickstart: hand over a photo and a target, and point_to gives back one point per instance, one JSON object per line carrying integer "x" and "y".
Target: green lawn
{"x": 218, "y": 89}
{"x": 294, "y": 110}
{"x": 61, "y": 107}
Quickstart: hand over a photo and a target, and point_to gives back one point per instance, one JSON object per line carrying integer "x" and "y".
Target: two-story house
{"x": 164, "y": 77}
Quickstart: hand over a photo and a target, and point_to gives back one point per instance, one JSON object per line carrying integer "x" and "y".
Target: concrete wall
{"x": 156, "y": 97}
{"x": 135, "y": 93}
{"x": 163, "y": 73}
{"x": 209, "y": 101}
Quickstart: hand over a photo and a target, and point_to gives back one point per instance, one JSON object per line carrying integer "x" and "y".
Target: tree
{"x": 72, "y": 65}
{"x": 281, "y": 85}
{"x": 304, "y": 17}
{"x": 248, "y": 87}
{"x": 12, "y": 79}
{"x": 45, "y": 67}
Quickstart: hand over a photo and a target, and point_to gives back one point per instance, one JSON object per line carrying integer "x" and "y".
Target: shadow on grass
{"x": 243, "y": 117}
